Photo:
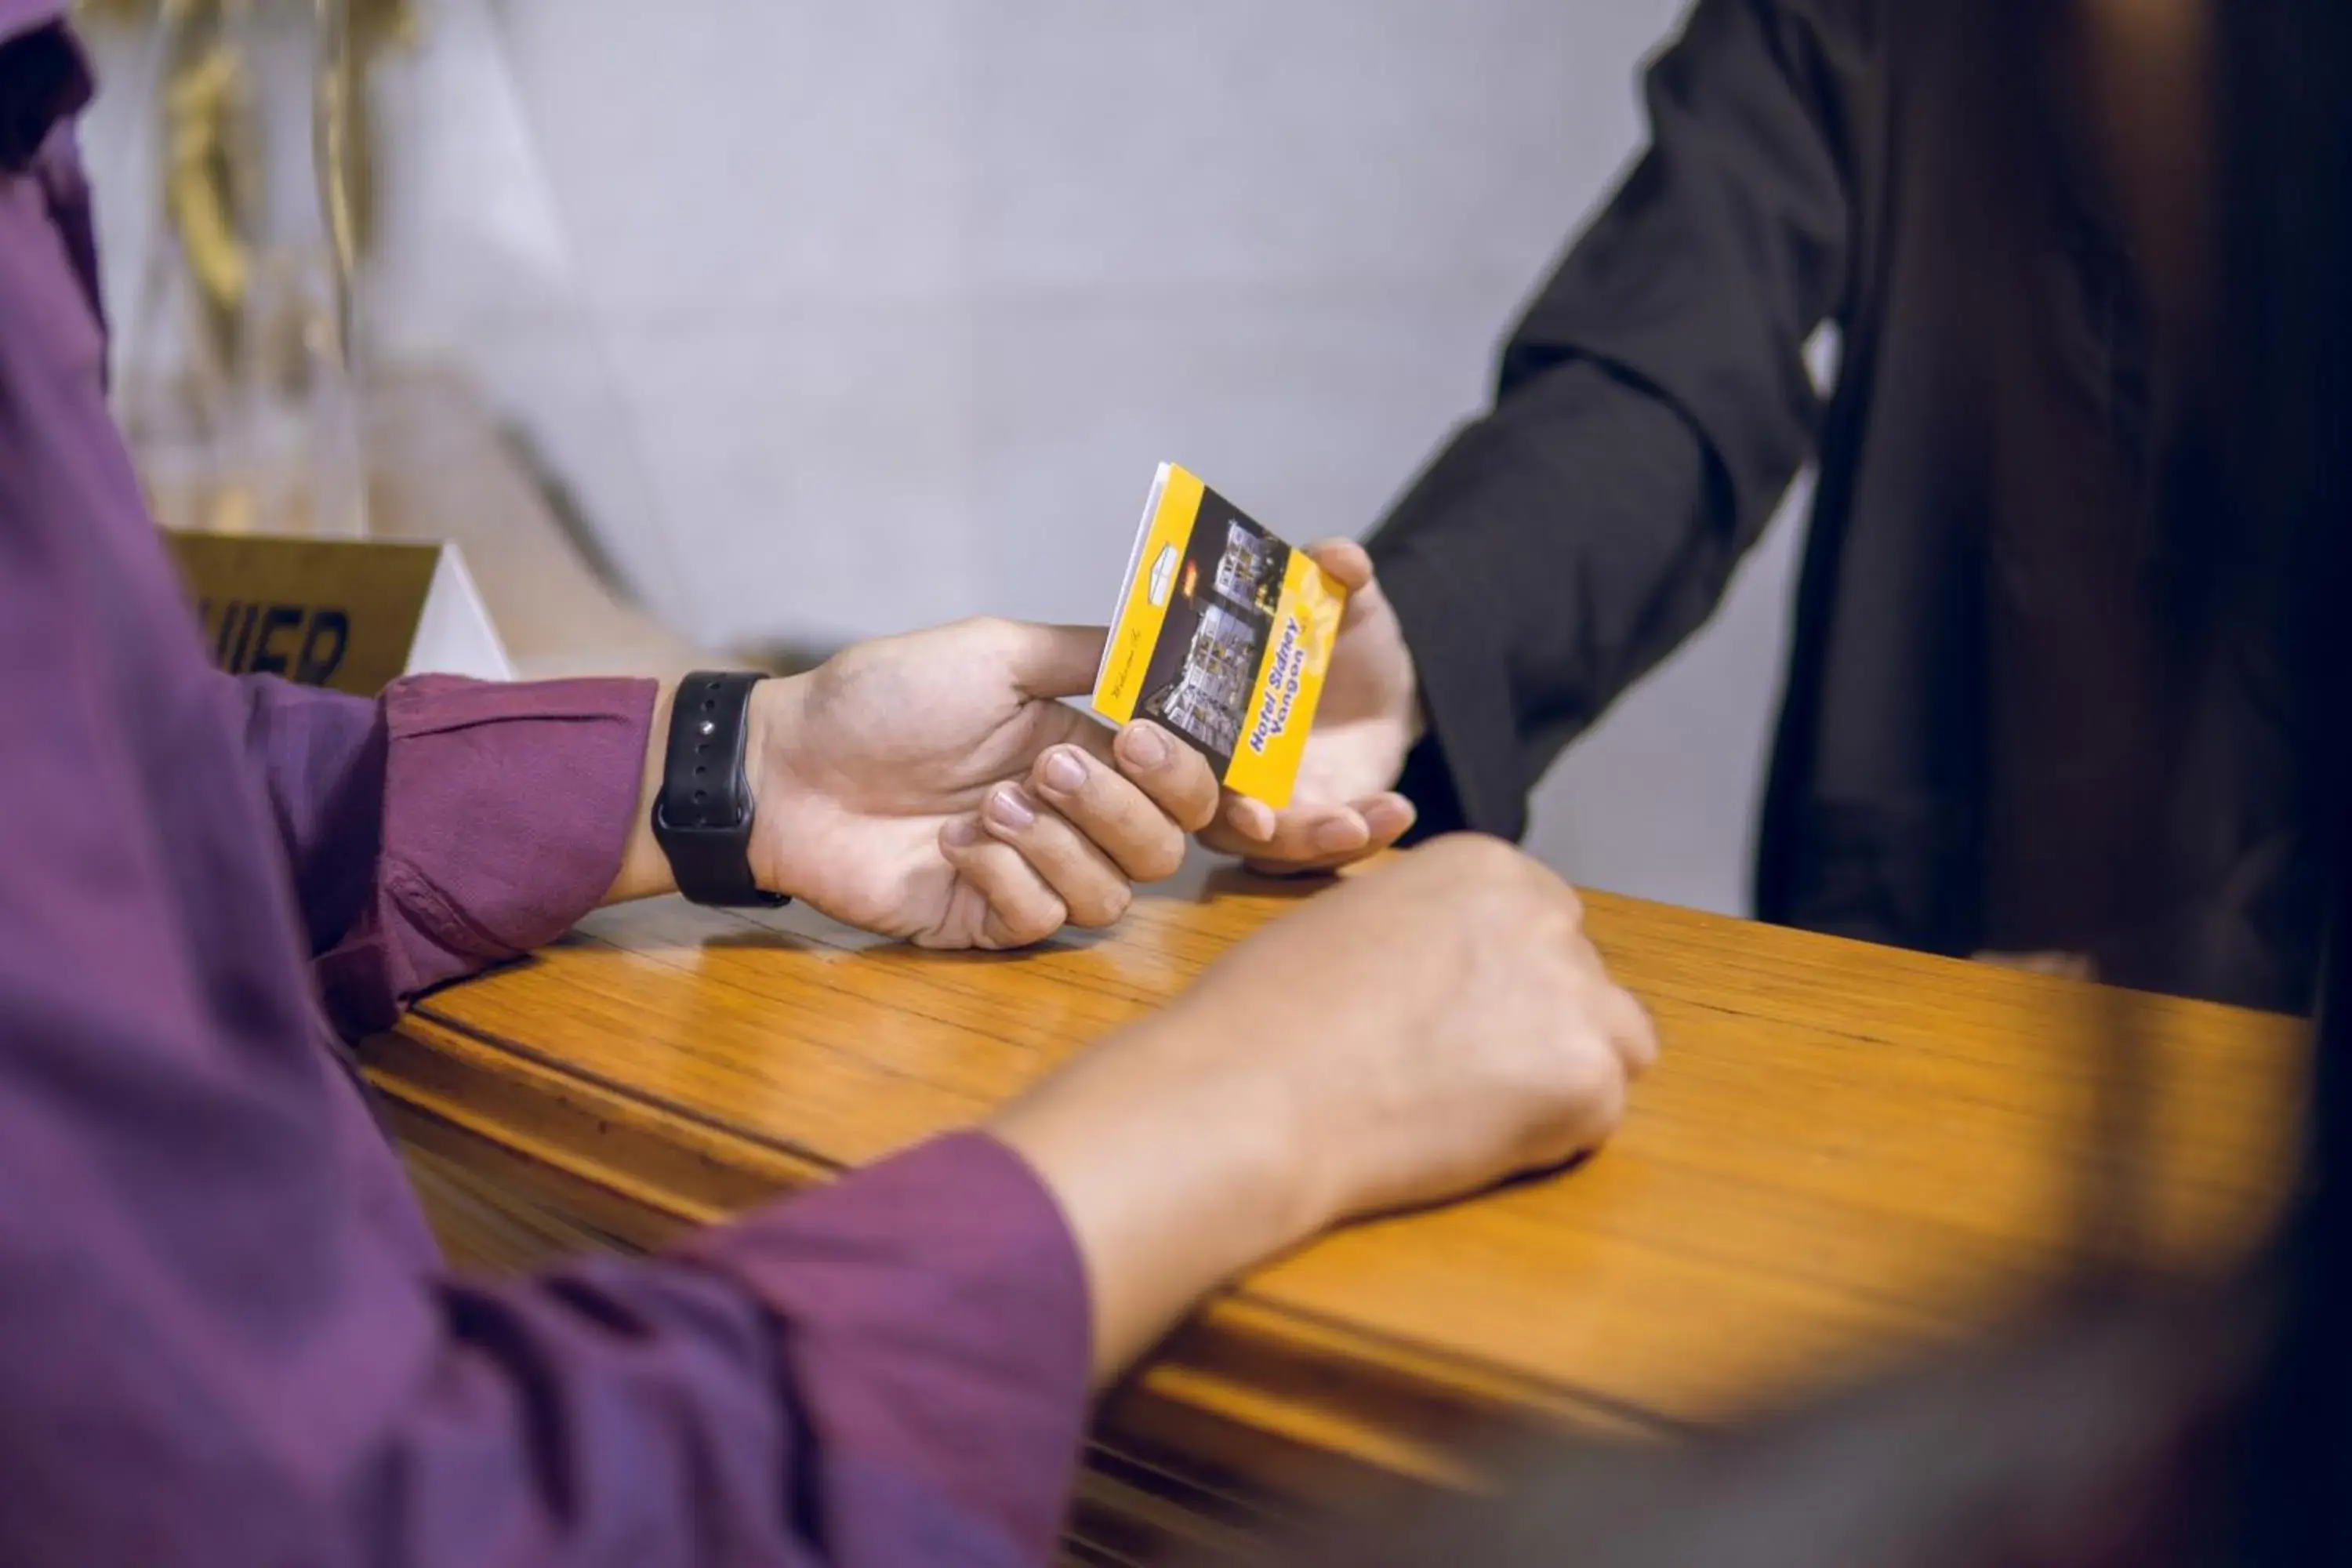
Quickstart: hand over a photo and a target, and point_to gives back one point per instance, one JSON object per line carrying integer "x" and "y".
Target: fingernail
{"x": 1064, "y": 772}
{"x": 1010, "y": 808}
{"x": 1336, "y": 835}
{"x": 962, "y": 833}
{"x": 1254, "y": 820}
{"x": 1146, "y": 746}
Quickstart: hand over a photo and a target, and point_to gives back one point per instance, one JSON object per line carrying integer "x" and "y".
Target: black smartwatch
{"x": 702, "y": 817}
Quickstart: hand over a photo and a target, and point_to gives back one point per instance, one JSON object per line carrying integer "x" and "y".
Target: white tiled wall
{"x": 844, "y": 317}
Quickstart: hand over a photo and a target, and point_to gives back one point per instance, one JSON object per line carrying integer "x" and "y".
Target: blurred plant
{"x": 262, "y": 265}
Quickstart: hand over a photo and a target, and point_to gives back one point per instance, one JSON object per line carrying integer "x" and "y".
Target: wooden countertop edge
{"x": 1247, "y": 1388}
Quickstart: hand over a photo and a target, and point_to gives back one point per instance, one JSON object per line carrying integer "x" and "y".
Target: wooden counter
{"x": 1846, "y": 1153}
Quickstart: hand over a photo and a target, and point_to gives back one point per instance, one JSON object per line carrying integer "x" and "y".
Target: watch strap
{"x": 702, "y": 813}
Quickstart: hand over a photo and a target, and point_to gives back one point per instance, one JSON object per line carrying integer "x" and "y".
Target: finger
{"x": 1631, "y": 1029}
{"x": 1302, "y": 836}
{"x": 1253, "y": 820}
{"x": 1346, "y": 563}
{"x": 1388, "y": 816}
{"x": 1582, "y": 1105}
{"x": 1052, "y": 661}
{"x": 1343, "y": 560}
{"x": 1021, "y": 908}
{"x": 1111, "y": 811}
{"x": 1632, "y": 1033}
{"x": 1178, "y": 779}
{"x": 1315, "y": 838}
{"x": 1095, "y": 891}
{"x": 1599, "y": 1106}
{"x": 1074, "y": 728}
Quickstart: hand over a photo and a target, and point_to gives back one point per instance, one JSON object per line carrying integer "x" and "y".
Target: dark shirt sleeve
{"x": 1652, "y": 406}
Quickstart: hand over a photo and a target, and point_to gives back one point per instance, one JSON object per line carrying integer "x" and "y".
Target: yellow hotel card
{"x": 1223, "y": 634}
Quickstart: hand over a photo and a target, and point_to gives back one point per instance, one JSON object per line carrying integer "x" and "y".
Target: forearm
{"x": 1172, "y": 1181}
{"x": 1652, "y": 408}
{"x": 1553, "y": 553}
{"x": 645, "y": 870}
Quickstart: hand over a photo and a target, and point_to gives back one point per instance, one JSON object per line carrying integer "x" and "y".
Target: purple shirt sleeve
{"x": 451, "y": 826}
{"x": 891, "y": 1371}
{"x": 942, "y": 1340}
{"x": 225, "y": 1337}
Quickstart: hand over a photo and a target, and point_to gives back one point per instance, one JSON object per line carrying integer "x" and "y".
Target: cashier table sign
{"x": 350, "y": 614}
{"x": 1223, "y": 634}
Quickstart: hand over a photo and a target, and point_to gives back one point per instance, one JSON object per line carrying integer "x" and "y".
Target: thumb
{"x": 1053, "y": 662}
{"x": 1343, "y": 560}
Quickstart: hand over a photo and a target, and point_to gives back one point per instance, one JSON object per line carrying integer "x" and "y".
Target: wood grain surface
{"x": 1846, "y": 1154}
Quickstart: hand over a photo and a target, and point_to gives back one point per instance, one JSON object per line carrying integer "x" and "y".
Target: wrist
{"x": 1174, "y": 1170}
{"x": 1269, "y": 1141}
{"x": 771, "y": 729}
{"x": 643, "y": 872}
{"x": 646, "y": 870}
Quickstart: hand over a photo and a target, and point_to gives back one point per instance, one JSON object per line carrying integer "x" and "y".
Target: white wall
{"x": 848, "y": 317}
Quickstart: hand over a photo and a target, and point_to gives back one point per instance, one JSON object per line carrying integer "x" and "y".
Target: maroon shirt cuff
{"x": 507, "y": 807}
{"x": 936, "y": 1320}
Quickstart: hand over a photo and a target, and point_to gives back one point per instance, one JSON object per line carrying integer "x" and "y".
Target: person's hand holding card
{"x": 935, "y": 787}
{"x": 1286, "y": 668}
{"x": 1342, "y": 807}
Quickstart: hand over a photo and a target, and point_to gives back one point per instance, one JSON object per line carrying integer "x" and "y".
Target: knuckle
{"x": 1494, "y": 857}
{"x": 1504, "y": 871}
{"x": 1159, "y": 856}
{"x": 1538, "y": 881}
{"x": 1640, "y": 1035}
{"x": 1591, "y": 1090}
{"x": 1605, "y": 1113}
{"x": 1036, "y": 922}
{"x": 1479, "y": 851}
{"x": 976, "y": 635}
{"x": 1557, "y": 927}
{"x": 1196, "y": 807}
{"x": 1105, "y": 907}
{"x": 1586, "y": 1068}
{"x": 1094, "y": 898}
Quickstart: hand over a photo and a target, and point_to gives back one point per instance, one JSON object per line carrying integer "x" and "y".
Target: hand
{"x": 870, "y": 773}
{"x": 1421, "y": 1031}
{"x": 1344, "y": 806}
{"x": 1436, "y": 1026}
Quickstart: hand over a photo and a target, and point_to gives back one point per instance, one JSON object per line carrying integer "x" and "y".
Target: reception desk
{"x": 1845, "y": 1154}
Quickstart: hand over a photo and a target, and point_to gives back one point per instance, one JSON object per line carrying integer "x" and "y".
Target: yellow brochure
{"x": 1223, "y": 634}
